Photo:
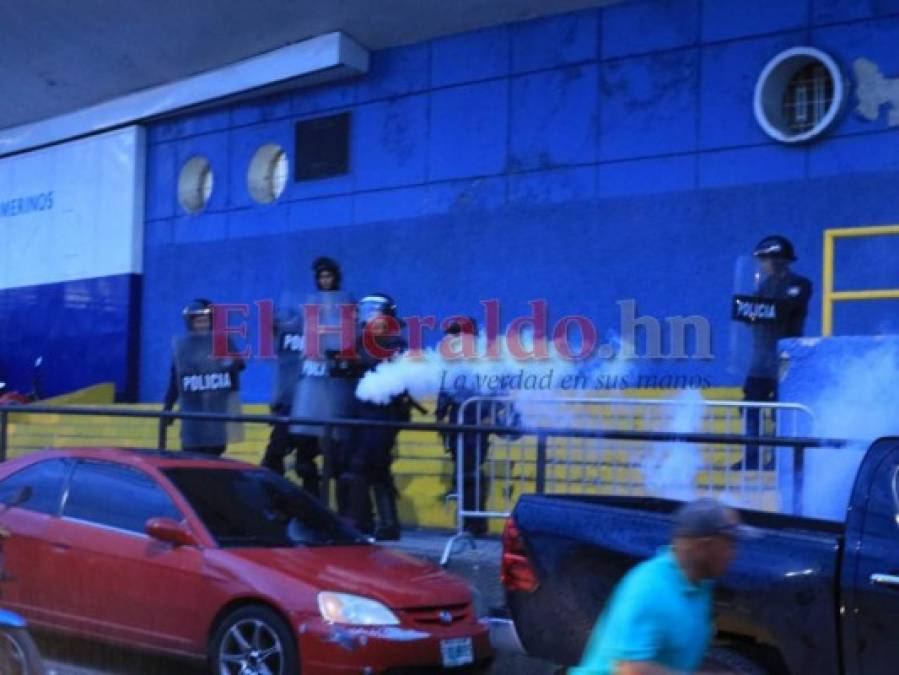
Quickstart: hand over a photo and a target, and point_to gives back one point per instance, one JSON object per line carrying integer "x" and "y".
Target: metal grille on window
{"x": 798, "y": 95}
{"x": 808, "y": 97}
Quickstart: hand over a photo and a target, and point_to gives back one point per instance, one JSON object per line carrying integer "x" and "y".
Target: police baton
{"x": 418, "y": 406}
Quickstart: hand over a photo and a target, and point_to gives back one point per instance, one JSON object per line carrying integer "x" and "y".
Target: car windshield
{"x": 257, "y": 508}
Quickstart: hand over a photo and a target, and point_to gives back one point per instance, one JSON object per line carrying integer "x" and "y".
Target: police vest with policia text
{"x": 206, "y": 382}
{"x": 753, "y": 309}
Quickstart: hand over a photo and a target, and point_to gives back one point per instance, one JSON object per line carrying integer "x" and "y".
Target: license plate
{"x": 456, "y": 652}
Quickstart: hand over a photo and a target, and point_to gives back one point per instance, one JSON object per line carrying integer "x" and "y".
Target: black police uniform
{"x": 289, "y": 342}
{"x": 789, "y": 295}
{"x": 367, "y": 464}
{"x": 327, "y": 384}
{"x": 793, "y": 292}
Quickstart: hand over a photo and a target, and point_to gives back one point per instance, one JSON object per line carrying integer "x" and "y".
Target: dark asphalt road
{"x": 68, "y": 657}
{"x": 80, "y": 658}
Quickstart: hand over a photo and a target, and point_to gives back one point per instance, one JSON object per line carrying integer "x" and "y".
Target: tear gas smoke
{"x": 423, "y": 374}
{"x": 670, "y": 469}
{"x": 858, "y": 402}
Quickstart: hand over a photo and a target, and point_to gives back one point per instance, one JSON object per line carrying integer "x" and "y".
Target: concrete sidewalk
{"x": 478, "y": 562}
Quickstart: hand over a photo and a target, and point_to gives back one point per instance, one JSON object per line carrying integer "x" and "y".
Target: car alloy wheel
{"x": 251, "y": 647}
{"x": 254, "y": 640}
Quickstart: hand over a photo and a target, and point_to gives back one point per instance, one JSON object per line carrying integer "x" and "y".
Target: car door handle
{"x": 60, "y": 547}
{"x": 885, "y": 580}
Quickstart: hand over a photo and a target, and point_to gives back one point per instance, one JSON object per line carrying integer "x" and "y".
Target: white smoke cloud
{"x": 670, "y": 470}
{"x": 859, "y": 402}
{"x": 533, "y": 383}
{"x": 856, "y": 401}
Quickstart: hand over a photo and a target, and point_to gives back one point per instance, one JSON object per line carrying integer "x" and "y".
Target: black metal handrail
{"x": 547, "y": 432}
{"x": 542, "y": 434}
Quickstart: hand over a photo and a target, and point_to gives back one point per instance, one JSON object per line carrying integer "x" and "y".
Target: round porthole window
{"x": 195, "y": 184}
{"x": 267, "y": 175}
{"x": 798, "y": 94}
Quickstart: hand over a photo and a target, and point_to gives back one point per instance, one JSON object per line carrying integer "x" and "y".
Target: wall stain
{"x": 874, "y": 90}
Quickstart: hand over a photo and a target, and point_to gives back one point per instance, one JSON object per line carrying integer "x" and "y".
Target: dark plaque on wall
{"x": 323, "y": 147}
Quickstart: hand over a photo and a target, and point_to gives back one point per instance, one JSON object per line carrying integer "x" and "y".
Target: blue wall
{"x": 86, "y": 332}
{"x": 584, "y": 158}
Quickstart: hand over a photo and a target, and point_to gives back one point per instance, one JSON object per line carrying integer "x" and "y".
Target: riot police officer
{"x": 327, "y": 384}
{"x": 475, "y": 446}
{"x": 371, "y": 456}
{"x": 201, "y": 381}
{"x": 288, "y": 330}
{"x": 776, "y": 311}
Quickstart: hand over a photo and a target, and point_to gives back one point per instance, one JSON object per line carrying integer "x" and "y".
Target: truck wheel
{"x": 722, "y": 660}
{"x": 254, "y": 639}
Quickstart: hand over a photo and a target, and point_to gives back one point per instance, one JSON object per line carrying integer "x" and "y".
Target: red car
{"x": 223, "y": 561}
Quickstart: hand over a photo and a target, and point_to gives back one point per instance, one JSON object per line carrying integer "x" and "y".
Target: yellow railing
{"x": 830, "y": 295}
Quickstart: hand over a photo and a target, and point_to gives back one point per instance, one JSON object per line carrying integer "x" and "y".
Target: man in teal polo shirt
{"x": 658, "y": 620}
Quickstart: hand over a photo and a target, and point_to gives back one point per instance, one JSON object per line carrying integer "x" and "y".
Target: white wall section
{"x": 73, "y": 211}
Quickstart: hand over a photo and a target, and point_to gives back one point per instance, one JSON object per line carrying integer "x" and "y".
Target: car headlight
{"x": 354, "y": 610}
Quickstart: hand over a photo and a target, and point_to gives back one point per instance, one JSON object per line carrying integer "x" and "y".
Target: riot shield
{"x": 289, "y": 308}
{"x": 235, "y": 430}
{"x": 745, "y": 284}
{"x": 206, "y": 384}
{"x": 287, "y": 332}
{"x": 203, "y": 386}
{"x": 325, "y": 389}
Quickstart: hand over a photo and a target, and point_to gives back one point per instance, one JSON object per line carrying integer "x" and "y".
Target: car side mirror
{"x": 20, "y": 497}
{"x": 167, "y": 530}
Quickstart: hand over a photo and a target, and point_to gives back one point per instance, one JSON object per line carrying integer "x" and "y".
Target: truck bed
{"x": 783, "y": 584}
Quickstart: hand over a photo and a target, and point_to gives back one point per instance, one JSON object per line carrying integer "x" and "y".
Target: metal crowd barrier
{"x": 493, "y": 470}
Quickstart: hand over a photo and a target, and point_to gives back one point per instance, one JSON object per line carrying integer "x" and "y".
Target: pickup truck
{"x": 808, "y": 597}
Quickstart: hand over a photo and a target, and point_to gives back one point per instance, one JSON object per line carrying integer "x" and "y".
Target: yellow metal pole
{"x": 829, "y": 294}
{"x": 871, "y": 231}
{"x": 827, "y": 307}
{"x": 882, "y": 294}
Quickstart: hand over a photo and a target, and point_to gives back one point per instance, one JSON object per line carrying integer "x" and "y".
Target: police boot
{"x": 357, "y": 502}
{"x": 307, "y": 472}
{"x": 273, "y": 460}
{"x": 343, "y": 487}
{"x": 307, "y": 449}
{"x": 474, "y": 497}
{"x": 277, "y": 450}
{"x": 388, "y": 520}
